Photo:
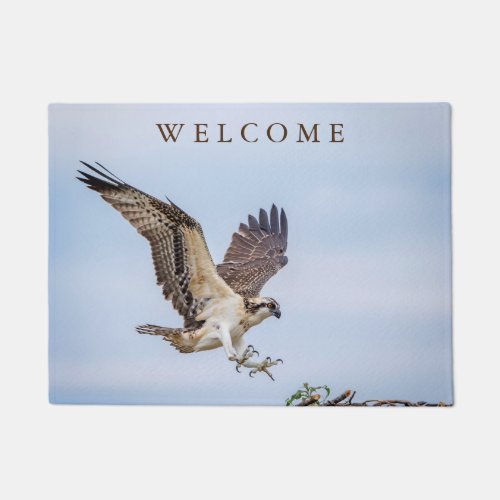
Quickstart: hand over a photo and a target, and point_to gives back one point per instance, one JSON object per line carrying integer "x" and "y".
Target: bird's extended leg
{"x": 243, "y": 359}
{"x": 225, "y": 338}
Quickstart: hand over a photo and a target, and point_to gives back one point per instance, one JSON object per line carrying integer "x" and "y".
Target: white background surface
{"x": 258, "y": 51}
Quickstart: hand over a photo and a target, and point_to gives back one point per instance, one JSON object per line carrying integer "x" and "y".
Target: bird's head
{"x": 262, "y": 308}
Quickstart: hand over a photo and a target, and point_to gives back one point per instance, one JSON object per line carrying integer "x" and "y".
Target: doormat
{"x": 250, "y": 254}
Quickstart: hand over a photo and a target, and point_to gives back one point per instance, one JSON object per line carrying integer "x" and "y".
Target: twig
{"x": 338, "y": 399}
{"x": 311, "y": 400}
{"x": 396, "y": 402}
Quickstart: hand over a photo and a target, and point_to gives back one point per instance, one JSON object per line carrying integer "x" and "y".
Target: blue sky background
{"x": 365, "y": 297}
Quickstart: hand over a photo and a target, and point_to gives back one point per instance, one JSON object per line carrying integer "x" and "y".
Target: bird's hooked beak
{"x": 277, "y": 313}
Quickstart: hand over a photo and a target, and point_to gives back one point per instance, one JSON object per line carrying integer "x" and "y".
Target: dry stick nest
{"x": 346, "y": 399}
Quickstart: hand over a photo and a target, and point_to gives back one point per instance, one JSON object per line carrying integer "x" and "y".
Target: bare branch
{"x": 338, "y": 399}
{"x": 310, "y": 400}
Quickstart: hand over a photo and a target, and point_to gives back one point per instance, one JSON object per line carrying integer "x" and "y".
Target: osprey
{"x": 221, "y": 303}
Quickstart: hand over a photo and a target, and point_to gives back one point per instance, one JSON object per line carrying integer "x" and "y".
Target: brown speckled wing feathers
{"x": 256, "y": 253}
{"x": 181, "y": 258}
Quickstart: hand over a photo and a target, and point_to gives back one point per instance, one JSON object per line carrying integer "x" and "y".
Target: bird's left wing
{"x": 182, "y": 262}
{"x": 256, "y": 253}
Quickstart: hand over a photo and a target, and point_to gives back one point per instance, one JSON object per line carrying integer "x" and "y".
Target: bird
{"x": 219, "y": 303}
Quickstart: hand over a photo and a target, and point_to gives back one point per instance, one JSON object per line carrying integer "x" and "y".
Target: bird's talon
{"x": 251, "y": 350}
{"x": 254, "y": 366}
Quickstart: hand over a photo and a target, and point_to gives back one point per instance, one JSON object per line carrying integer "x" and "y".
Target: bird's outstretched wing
{"x": 256, "y": 253}
{"x": 181, "y": 258}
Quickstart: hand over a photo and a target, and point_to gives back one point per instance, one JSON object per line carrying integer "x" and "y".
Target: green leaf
{"x": 297, "y": 395}
{"x": 327, "y": 390}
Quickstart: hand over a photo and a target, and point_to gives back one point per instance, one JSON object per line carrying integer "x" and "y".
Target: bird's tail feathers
{"x": 178, "y": 337}
{"x": 159, "y": 330}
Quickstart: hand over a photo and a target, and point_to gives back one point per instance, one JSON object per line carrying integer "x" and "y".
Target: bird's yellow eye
{"x": 270, "y": 306}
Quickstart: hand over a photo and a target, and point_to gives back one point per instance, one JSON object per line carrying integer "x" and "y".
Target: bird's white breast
{"x": 226, "y": 314}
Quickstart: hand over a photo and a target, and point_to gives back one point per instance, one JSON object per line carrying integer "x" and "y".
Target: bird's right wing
{"x": 256, "y": 253}
{"x": 181, "y": 258}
